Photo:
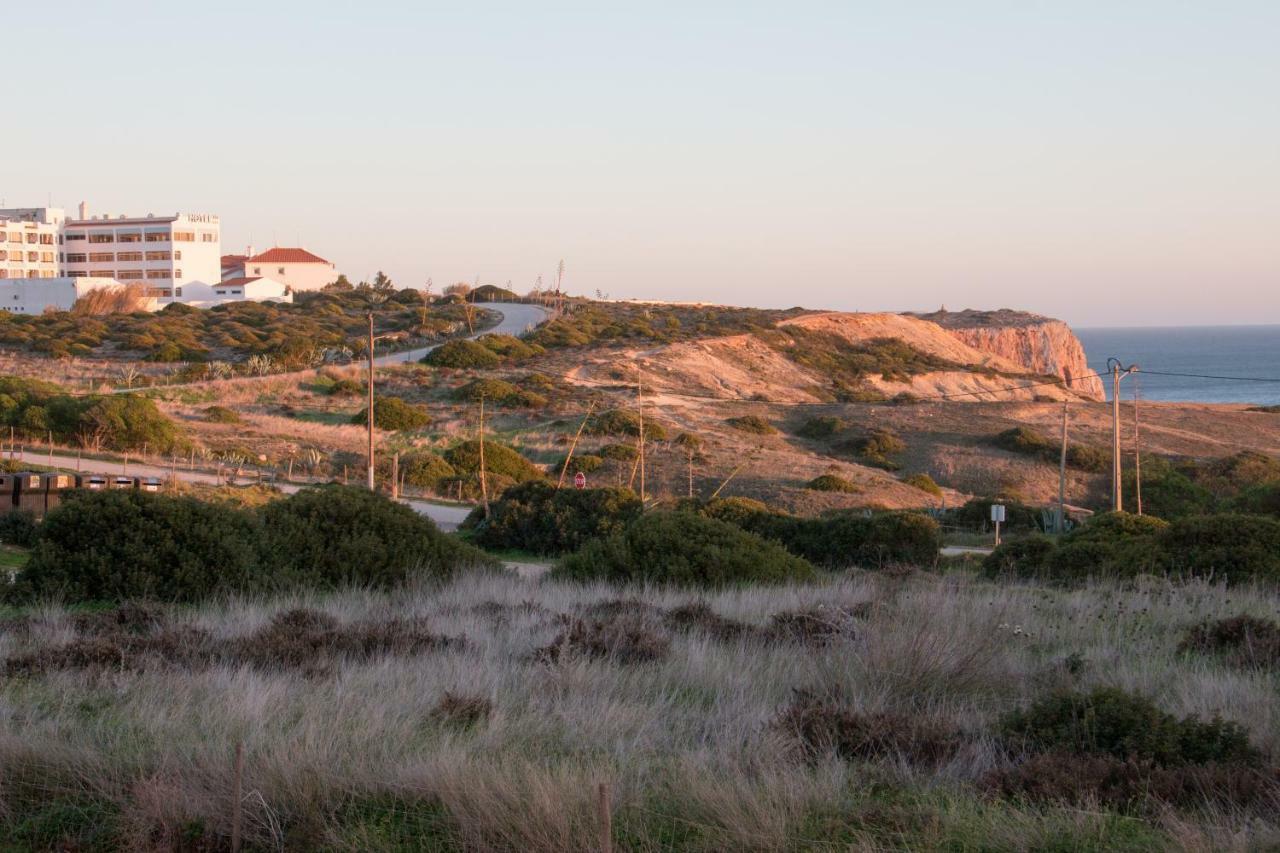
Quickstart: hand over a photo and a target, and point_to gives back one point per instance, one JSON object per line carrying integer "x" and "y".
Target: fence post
{"x": 606, "y": 818}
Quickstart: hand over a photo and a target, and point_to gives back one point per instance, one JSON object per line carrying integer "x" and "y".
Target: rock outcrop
{"x": 1040, "y": 344}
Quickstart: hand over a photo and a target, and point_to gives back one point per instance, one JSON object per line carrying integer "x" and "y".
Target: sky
{"x": 1108, "y": 163}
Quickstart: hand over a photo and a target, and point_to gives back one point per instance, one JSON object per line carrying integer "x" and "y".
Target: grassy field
{"x": 484, "y": 714}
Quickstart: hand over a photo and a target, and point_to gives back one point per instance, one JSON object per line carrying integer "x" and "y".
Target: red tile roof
{"x": 238, "y": 282}
{"x": 229, "y": 261}
{"x": 281, "y": 255}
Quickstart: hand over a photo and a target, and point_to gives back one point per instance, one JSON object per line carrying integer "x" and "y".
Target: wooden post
{"x": 395, "y": 476}
{"x": 690, "y": 448}
{"x": 371, "y": 485}
{"x": 1137, "y": 450}
{"x": 1061, "y": 521}
{"x": 640, "y": 410}
{"x": 237, "y": 786}
{"x": 484, "y": 483}
{"x": 604, "y": 810}
{"x": 564, "y": 469}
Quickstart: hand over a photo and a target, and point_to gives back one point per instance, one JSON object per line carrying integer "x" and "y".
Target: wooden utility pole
{"x": 484, "y": 483}
{"x": 690, "y": 449}
{"x": 395, "y": 476}
{"x": 1137, "y": 453}
{"x": 604, "y": 813}
{"x": 639, "y": 410}
{"x": 564, "y": 469}
{"x": 1061, "y": 521}
{"x": 371, "y": 485}
{"x": 1115, "y": 436}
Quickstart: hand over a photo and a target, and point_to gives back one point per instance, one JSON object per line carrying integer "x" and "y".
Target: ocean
{"x": 1249, "y": 351}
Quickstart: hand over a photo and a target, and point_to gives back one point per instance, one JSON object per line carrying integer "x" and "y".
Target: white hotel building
{"x": 161, "y": 252}
{"x": 29, "y": 238}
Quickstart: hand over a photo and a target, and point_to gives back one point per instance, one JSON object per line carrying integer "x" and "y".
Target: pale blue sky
{"x": 1105, "y": 162}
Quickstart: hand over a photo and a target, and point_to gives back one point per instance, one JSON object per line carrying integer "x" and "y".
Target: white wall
{"x": 35, "y": 296}
{"x": 297, "y": 277}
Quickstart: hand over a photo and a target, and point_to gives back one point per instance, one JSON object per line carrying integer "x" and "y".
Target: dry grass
{"x": 490, "y": 746}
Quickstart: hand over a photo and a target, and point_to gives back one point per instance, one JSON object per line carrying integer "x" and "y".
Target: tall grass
{"x": 688, "y": 744}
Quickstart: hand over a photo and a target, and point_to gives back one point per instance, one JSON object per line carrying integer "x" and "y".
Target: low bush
{"x": 329, "y": 536}
{"x": 1086, "y": 457}
{"x": 975, "y": 514}
{"x": 627, "y": 638}
{"x": 462, "y": 354}
{"x": 125, "y": 544}
{"x": 221, "y": 415}
{"x": 499, "y": 393}
{"x": 508, "y": 347}
{"x": 924, "y": 483}
{"x": 580, "y": 463}
{"x": 619, "y": 452}
{"x": 823, "y": 727}
{"x": 113, "y": 421}
{"x": 1168, "y": 492}
{"x": 832, "y": 483}
{"x": 1240, "y": 640}
{"x": 838, "y": 540}
{"x": 498, "y": 459}
{"x": 424, "y": 469}
{"x": 1029, "y": 442}
{"x": 820, "y": 427}
{"x": 1109, "y": 545}
{"x": 347, "y": 388}
{"x": 683, "y": 549}
{"x": 752, "y": 424}
{"x": 1259, "y": 500}
{"x": 1027, "y": 557}
{"x": 18, "y": 527}
{"x": 877, "y": 446}
{"x": 624, "y": 422}
{"x": 1110, "y": 721}
{"x": 1024, "y": 440}
{"x": 538, "y": 517}
{"x": 1232, "y": 474}
{"x": 394, "y": 415}
{"x": 1235, "y": 548}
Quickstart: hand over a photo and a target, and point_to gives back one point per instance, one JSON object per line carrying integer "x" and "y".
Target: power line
{"x": 1209, "y": 376}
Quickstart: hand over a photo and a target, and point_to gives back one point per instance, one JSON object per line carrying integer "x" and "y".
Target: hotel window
{"x": 102, "y": 238}
{"x": 157, "y": 273}
{"x": 257, "y": 270}
{"x": 4, "y": 273}
{"x": 177, "y": 273}
{"x": 32, "y": 257}
{"x": 46, "y": 257}
{"x": 4, "y": 254}
{"x": 76, "y": 258}
{"x": 101, "y": 257}
{"x": 31, "y": 274}
{"x": 208, "y": 236}
{"x": 46, "y": 239}
{"x": 75, "y": 237}
{"x": 32, "y": 238}
{"x": 77, "y": 274}
{"x": 129, "y": 237}
{"x": 280, "y": 270}
{"x": 220, "y": 292}
{"x": 129, "y": 256}
{"x": 177, "y": 255}
{"x": 157, "y": 256}
{"x": 100, "y": 274}
{"x": 157, "y": 236}
{"x": 184, "y": 236}
{"x": 177, "y": 291}
{"x": 130, "y": 275}
{"x": 46, "y": 274}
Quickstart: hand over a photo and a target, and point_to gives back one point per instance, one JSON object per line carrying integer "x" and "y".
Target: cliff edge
{"x": 1040, "y": 344}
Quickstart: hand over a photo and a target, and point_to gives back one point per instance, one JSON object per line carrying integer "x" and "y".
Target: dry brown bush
{"x": 121, "y": 299}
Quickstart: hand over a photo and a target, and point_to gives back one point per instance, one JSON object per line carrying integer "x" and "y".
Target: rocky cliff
{"x": 1040, "y": 344}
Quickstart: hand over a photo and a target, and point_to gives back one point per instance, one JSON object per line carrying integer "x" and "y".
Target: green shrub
{"x": 1240, "y": 640}
{"x": 832, "y": 483}
{"x": 838, "y": 540}
{"x": 753, "y": 424}
{"x": 877, "y": 446}
{"x": 820, "y": 427}
{"x": 325, "y": 537}
{"x": 688, "y": 441}
{"x": 221, "y": 415}
{"x": 1259, "y": 500}
{"x": 122, "y": 544}
{"x": 619, "y": 452}
{"x": 424, "y": 469}
{"x": 462, "y": 354}
{"x": 975, "y": 514}
{"x": 924, "y": 483}
{"x": 1235, "y": 548}
{"x": 1027, "y": 557}
{"x": 1024, "y": 440}
{"x": 498, "y": 459}
{"x": 581, "y": 463}
{"x": 499, "y": 393}
{"x": 1109, "y": 721}
{"x": 508, "y": 347}
{"x": 347, "y": 388}
{"x": 538, "y": 517}
{"x": 1086, "y": 457}
{"x": 683, "y": 549}
{"x": 1167, "y": 492}
{"x": 624, "y": 422}
{"x": 18, "y": 527}
{"x": 394, "y": 414}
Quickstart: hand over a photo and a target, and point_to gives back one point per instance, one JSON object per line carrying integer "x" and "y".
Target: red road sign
{"x": 580, "y": 480}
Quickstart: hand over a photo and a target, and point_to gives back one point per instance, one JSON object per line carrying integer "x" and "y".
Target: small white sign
{"x": 997, "y": 512}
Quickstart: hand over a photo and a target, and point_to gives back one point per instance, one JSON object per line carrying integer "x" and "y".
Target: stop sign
{"x": 580, "y": 480}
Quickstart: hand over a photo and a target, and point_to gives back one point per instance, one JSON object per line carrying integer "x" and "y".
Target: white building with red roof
{"x": 297, "y": 269}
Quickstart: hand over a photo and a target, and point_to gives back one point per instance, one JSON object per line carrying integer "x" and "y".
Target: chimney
{"x": 84, "y": 210}
{"x": 248, "y": 251}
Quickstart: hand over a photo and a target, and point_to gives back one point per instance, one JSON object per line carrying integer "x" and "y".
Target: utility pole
{"x": 484, "y": 484}
{"x": 640, "y": 410}
{"x": 1061, "y": 520}
{"x": 371, "y": 484}
{"x": 1118, "y": 372}
{"x": 1137, "y": 454}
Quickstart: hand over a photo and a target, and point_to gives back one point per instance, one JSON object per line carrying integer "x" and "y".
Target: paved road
{"x": 517, "y": 318}
{"x": 446, "y": 516}
{"x": 957, "y": 550}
